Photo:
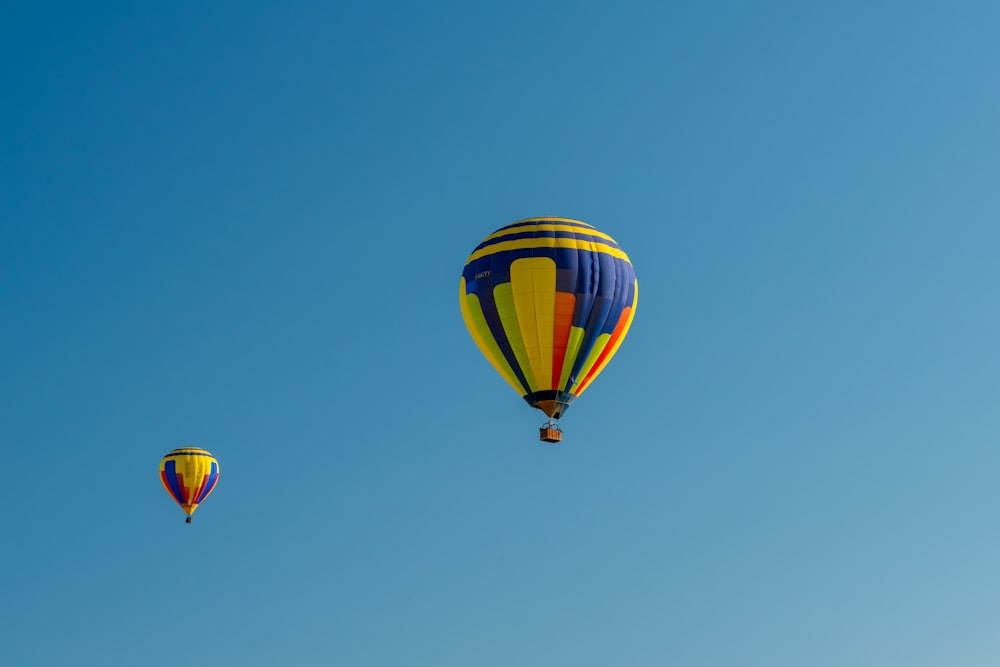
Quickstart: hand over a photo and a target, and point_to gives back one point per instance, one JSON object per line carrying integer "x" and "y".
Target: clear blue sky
{"x": 241, "y": 226}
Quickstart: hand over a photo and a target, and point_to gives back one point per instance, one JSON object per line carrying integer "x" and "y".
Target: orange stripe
{"x": 615, "y": 335}
{"x": 565, "y": 305}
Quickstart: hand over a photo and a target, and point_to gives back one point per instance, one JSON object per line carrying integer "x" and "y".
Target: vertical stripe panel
{"x": 504, "y": 298}
{"x": 566, "y": 380}
{"x": 561, "y": 324}
{"x": 601, "y": 283}
{"x": 533, "y": 285}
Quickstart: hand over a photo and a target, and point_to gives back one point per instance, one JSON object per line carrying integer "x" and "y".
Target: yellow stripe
{"x": 572, "y": 349}
{"x": 503, "y": 296}
{"x": 475, "y": 321}
{"x": 507, "y": 231}
{"x": 595, "y": 352}
{"x": 618, "y": 343}
{"x": 533, "y": 284}
{"x": 548, "y": 242}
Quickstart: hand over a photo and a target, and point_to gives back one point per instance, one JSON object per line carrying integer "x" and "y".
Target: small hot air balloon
{"x": 189, "y": 474}
{"x": 548, "y": 301}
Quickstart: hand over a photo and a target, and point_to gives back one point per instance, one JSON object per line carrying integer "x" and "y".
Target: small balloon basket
{"x": 550, "y": 433}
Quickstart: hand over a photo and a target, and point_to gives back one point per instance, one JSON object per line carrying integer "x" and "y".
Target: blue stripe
{"x": 170, "y": 471}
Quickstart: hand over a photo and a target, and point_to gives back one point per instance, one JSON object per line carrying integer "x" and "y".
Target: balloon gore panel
{"x": 189, "y": 475}
{"x": 548, "y": 301}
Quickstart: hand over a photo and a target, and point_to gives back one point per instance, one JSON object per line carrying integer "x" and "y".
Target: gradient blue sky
{"x": 241, "y": 225}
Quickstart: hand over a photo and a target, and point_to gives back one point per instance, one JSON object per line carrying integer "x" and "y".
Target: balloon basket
{"x": 550, "y": 433}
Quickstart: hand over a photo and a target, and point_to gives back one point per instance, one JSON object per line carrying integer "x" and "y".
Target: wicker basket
{"x": 549, "y": 434}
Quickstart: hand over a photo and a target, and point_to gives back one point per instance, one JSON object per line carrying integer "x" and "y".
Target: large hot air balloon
{"x": 189, "y": 474}
{"x": 548, "y": 301}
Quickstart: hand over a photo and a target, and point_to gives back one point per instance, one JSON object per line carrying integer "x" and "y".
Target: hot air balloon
{"x": 189, "y": 474}
{"x": 548, "y": 301}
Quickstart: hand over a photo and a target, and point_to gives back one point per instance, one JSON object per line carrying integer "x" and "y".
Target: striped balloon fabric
{"x": 189, "y": 474}
{"x": 548, "y": 301}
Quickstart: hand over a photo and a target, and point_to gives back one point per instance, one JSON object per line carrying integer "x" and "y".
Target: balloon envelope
{"x": 548, "y": 301}
{"x": 189, "y": 474}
